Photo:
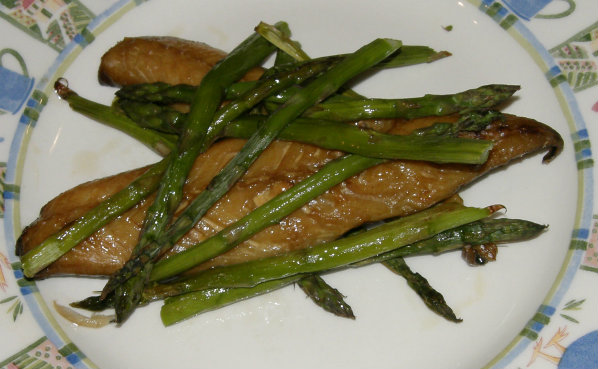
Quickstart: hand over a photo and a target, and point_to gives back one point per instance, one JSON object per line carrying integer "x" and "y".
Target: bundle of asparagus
{"x": 297, "y": 99}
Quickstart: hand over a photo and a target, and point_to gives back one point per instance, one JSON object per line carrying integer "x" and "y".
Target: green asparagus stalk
{"x": 59, "y": 243}
{"x": 430, "y": 147}
{"x": 163, "y": 93}
{"x": 194, "y": 303}
{"x": 194, "y": 139}
{"x": 160, "y": 118}
{"x": 473, "y": 121}
{"x": 353, "y": 109}
{"x": 406, "y": 55}
{"x": 344, "y": 251}
{"x": 477, "y": 233}
{"x": 324, "y": 257}
{"x": 313, "y": 285}
{"x": 325, "y": 134}
{"x": 364, "y": 142}
{"x": 325, "y": 296}
{"x": 480, "y": 98}
{"x": 282, "y": 58}
{"x": 195, "y": 134}
{"x": 488, "y": 230}
{"x": 157, "y": 142}
{"x": 412, "y": 55}
{"x": 432, "y": 298}
{"x": 270, "y": 213}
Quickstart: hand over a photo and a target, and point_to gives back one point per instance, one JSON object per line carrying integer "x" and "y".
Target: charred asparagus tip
{"x": 494, "y": 208}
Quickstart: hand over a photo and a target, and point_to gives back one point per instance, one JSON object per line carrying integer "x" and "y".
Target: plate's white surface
{"x": 284, "y": 329}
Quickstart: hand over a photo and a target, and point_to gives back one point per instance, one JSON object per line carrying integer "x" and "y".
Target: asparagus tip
{"x": 497, "y": 207}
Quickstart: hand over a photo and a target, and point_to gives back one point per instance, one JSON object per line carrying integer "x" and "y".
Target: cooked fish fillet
{"x": 153, "y": 59}
{"x": 391, "y": 189}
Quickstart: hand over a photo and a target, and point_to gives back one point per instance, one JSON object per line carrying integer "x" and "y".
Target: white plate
{"x": 534, "y": 291}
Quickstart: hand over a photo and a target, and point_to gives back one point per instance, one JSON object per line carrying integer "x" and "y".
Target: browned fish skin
{"x": 160, "y": 59}
{"x": 390, "y": 189}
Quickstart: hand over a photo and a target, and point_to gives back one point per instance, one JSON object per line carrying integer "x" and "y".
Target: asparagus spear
{"x": 294, "y": 50}
{"x": 473, "y": 121}
{"x": 325, "y": 257}
{"x": 325, "y": 134}
{"x": 325, "y": 296}
{"x": 353, "y": 109}
{"x": 483, "y": 97}
{"x": 344, "y": 251}
{"x": 432, "y": 298}
{"x": 59, "y": 243}
{"x": 195, "y": 133}
{"x": 159, "y": 143}
{"x": 160, "y": 118}
{"x": 162, "y": 92}
{"x": 270, "y": 213}
{"x": 317, "y": 132}
{"x": 190, "y": 304}
{"x": 501, "y": 230}
{"x": 476, "y": 233}
{"x": 364, "y": 142}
